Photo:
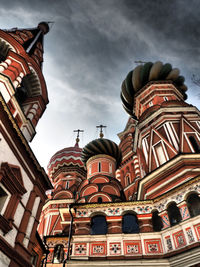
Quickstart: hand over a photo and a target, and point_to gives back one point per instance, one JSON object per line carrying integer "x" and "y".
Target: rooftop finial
{"x": 77, "y": 138}
{"x": 101, "y": 135}
{"x": 44, "y": 27}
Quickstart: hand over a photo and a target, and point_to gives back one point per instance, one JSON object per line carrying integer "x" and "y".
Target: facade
{"x": 23, "y": 99}
{"x": 136, "y": 204}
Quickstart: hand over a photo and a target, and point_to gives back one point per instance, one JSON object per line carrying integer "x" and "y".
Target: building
{"x": 136, "y": 204}
{"x": 23, "y": 99}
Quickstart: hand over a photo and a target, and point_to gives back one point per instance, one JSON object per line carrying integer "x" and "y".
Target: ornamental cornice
{"x": 167, "y": 166}
{"x": 53, "y": 241}
{"x": 140, "y": 207}
{"x": 166, "y": 110}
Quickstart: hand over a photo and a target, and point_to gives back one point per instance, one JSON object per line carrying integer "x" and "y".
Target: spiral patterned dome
{"x": 101, "y": 146}
{"x": 148, "y": 72}
{"x": 65, "y": 157}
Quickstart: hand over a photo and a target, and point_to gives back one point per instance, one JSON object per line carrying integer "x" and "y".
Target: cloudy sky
{"x": 89, "y": 50}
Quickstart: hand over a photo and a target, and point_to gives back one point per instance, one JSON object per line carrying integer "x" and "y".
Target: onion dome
{"x": 149, "y": 72}
{"x": 70, "y": 156}
{"x": 101, "y": 146}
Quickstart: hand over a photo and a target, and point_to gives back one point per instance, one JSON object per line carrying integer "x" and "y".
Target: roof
{"x": 65, "y": 157}
{"x": 102, "y": 146}
{"x": 142, "y": 75}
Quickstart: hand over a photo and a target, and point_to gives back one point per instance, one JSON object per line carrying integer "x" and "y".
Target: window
{"x": 156, "y": 221}
{"x": 67, "y": 185}
{"x": 99, "y": 166}
{"x": 98, "y": 225}
{"x": 194, "y": 143}
{"x": 128, "y": 182}
{"x": 165, "y": 98}
{"x": 58, "y": 254}
{"x": 130, "y": 224}
{"x": 174, "y": 214}
{"x": 90, "y": 170}
{"x": 150, "y": 103}
{"x": 99, "y": 200}
{"x": 11, "y": 190}
{"x": 161, "y": 157}
{"x": 21, "y": 94}
{"x": 193, "y": 203}
{"x": 34, "y": 259}
{"x": 110, "y": 167}
{"x": 4, "y": 197}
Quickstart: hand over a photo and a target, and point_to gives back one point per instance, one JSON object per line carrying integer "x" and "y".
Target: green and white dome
{"x": 149, "y": 72}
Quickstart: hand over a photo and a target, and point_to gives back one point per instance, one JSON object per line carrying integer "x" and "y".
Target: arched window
{"x": 160, "y": 153}
{"x": 110, "y": 167}
{"x": 58, "y": 254}
{"x": 128, "y": 180}
{"x": 174, "y": 214}
{"x": 67, "y": 185}
{"x": 156, "y": 221}
{"x": 130, "y": 224}
{"x": 90, "y": 170}
{"x": 193, "y": 203}
{"x": 194, "y": 143}
{"x": 98, "y": 225}
{"x": 99, "y": 166}
{"x": 99, "y": 200}
{"x": 21, "y": 94}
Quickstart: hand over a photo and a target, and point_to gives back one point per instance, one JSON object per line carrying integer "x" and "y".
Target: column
{"x": 165, "y": 219}
{"x": 114, "y": 224}
{"x": 145, "y": 222}
{"x": 82, "y": 226}
{"x": 184, "y": 210}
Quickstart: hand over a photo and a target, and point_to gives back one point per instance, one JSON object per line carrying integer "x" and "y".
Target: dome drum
{"x": 103, "y": 164}
{"x": 101, "y": 146}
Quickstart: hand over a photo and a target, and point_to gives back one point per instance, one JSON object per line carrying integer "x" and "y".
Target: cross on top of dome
{"x": 77, "y": 138}
{"x": 101, "y": 135}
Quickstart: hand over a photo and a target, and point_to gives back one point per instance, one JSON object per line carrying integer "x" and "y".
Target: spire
{"x": 77, "y": 138}
{"x": 32, "y": 40}
{"x": 101, "y": 135}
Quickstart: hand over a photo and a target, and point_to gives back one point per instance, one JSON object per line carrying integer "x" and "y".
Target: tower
{"x": 22, "y": 83}
{"x": 23, "y": 182}
{"x": 138, "y": 203}
{"x": 164, "y": 130}
{"x": 66, "y": 172}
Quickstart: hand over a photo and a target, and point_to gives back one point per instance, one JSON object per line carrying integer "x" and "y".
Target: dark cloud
{"x": 90, "y": 49}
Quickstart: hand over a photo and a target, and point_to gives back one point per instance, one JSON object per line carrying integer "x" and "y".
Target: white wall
{"x": 4, "y": 260}
{"x": 6, "y": 155}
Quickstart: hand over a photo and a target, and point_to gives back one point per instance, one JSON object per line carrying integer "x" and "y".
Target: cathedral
{"x": 132, "y": 204}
